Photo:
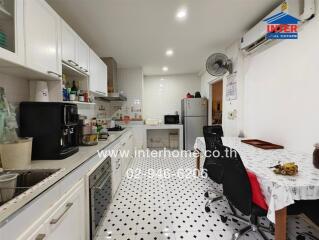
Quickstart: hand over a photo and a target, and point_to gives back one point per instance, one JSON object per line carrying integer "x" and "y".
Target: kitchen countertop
{"x": 164, "y": 126}
{"x": 66, "y": 166}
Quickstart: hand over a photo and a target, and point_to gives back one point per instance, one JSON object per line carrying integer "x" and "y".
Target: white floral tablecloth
{"x": 279, "y": 191}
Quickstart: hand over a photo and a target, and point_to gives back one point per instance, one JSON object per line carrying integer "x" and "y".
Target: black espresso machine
{"x": 53, "y": 127}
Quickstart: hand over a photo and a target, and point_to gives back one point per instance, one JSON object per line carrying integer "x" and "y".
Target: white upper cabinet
{"x": 42, "y": 38}
{"x": 69, "y": 39}
{"x": 83, "y": 54}
{"x": 98, "y": 74}
{"x": 75, "y": 51}
{"x": 11, "y": 32}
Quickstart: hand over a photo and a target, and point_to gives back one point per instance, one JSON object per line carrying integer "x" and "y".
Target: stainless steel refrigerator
{"x": 194, "y": 118}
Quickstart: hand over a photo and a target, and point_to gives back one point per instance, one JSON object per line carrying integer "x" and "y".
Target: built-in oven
{"x": 100, "y": 184}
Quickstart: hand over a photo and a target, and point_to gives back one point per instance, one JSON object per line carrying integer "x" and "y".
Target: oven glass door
{"x": 100, "y": 198}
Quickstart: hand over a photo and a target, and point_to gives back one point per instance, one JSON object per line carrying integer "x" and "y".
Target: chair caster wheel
{"x": 300, "y": 237}
{"x": 207, "y": 209}
{"x": 206, "y": 194}
{"x": 234, "y": 220}
{"x": 235, "y": 236}
{"x": 223, "y": 219}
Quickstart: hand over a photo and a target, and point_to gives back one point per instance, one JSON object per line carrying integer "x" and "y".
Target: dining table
{"x": 279, "y": 191}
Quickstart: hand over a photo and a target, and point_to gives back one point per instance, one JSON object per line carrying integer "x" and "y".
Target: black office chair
{"x": 213, "y": 141}
{"x": 237, "y": 190}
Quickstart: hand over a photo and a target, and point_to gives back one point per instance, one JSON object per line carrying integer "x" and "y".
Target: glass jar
{"x": 316, "y": 156}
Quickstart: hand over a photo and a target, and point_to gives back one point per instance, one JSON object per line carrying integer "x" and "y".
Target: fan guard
{"x": 218, "y": 64}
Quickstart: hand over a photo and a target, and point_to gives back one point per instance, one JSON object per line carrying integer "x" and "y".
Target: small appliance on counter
{"x": 88, "y": 132}
{"x": 53, "y": 126}
{"x": 117, "y": 128}
{"x": 171, "y": 119}
{"x": 103, "y": 134}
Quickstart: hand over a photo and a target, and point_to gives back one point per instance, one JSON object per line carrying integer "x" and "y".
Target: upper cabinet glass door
{"x": 11, "y": 30}
{"x": 7, "y": 25}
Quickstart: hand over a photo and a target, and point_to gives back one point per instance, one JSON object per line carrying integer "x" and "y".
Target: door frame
{"x": 210, "y": 99}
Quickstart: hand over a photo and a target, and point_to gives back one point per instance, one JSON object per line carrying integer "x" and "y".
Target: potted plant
{"x": 15, "y": 152}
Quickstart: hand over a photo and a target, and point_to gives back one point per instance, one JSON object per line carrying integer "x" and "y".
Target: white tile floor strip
{"x": 157, "y": 208}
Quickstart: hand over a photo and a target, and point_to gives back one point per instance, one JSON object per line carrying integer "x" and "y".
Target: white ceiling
{"x": 138, "y": 32}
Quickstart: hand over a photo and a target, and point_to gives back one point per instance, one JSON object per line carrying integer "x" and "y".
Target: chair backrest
{"x": 213, "y": 164}
{"x": 218, "y": 129}
{"x": 236, "y": 184}
{"x": 212, "y": 137}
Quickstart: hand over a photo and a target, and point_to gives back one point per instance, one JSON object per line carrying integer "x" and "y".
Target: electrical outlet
{"x": 232, "y": 114}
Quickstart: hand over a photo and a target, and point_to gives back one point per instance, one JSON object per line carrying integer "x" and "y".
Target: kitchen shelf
{"x": 80, "y": 103}
{"x": 73, "y": 72}
{"x": 4, "y": 14}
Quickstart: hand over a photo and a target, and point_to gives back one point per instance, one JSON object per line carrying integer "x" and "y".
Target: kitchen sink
{"x": 28, "y": 178}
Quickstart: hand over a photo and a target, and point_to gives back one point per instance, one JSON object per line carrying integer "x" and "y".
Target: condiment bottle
{"x": 316, "y": 156}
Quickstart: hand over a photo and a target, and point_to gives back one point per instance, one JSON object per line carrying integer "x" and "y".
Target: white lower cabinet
{"x": 127, "y": 146}
{"x": 64, "y": 220}
{"x": 138, "y": 132}
{"x": 122, "y": 160}
{"x": 116, "y": 171}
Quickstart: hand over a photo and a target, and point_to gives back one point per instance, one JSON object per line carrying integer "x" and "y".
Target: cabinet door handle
{"x": 54, "y": 73}
{"x": 40, "y": 237}
{"x": 102, "y": 183}
{"x": 100, "y": 92}
{"x": 118, "y": 164}
{"x": 83, "y": 69}
{"x": 56, "y": 220}
{"x": 73, "y": 63}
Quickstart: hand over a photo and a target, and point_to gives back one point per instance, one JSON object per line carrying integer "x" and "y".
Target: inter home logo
{"x": 282, "y": 26}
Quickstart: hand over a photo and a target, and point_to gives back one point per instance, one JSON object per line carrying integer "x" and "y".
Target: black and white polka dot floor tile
{"x": 158, "y": 208}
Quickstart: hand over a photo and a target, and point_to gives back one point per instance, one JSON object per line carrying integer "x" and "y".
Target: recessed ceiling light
{"x": 169, "y": 52}
{"x": 181, "y": 14}
{"x": 165, "y": 69}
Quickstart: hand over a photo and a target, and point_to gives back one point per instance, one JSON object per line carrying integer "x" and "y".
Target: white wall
{"x": 163, "y": 94}
{"x": 281, "y": 85}
{"x": 277, "y": 90}
{"x": 232, "y": 127}
{"x": 130, "y": 81}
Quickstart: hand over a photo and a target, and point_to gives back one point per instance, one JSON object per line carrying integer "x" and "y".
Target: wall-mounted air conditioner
{"x": 256, "y": 37}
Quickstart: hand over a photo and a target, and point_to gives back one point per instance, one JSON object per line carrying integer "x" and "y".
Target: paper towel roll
{"x": 41, "y": 91}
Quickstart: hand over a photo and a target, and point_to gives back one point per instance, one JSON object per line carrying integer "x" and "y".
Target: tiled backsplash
{"x": 16, "y": 89}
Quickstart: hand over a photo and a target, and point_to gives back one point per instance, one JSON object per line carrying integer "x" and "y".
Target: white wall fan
{"x": 218, "y": 64}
